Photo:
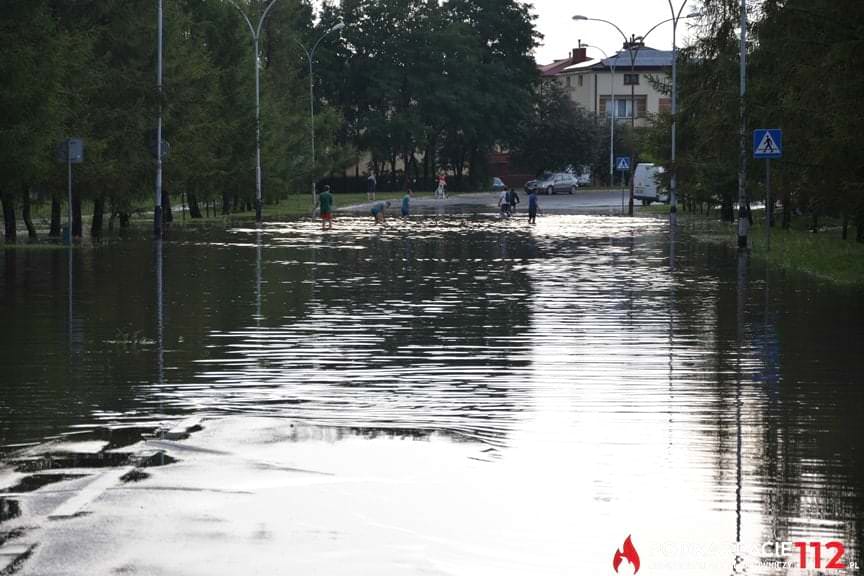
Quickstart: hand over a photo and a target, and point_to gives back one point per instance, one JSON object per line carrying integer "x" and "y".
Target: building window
{"x": 569, "y": 80}
{"x": 623, "y": 107}
{"x": 580, "y": 80}
{"x": 631, "y": 79}
{"x": 665, "y": 106}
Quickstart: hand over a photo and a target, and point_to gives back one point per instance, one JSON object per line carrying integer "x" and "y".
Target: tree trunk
{"x": 98, "y": 214}
{"x": 8, "y": 201}
{"x": 727, "y": 211}
{"x": 226, "y": 203}
{"x": 845, "y": 233}
{"x": 787, "y": 207}
{"x": 25, "y": 213}
{"x": 124, "y": 220}
{"x": 194, "y": 209}
{"x": 814, "y": 223}
{"x": 167, "y": 213}
{"x": 860, "y": 225}
{"x": 55, "y": 231}
{"x": 77, "y": 225}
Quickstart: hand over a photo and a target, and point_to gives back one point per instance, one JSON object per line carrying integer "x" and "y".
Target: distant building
{"x": 588, "y": 82}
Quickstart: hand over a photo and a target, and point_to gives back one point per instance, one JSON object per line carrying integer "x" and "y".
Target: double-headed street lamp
{"x": 611, "y": 117}
{"x": 633, "y": 45}
{"x": 310, "y": 55}
{"x": 673, "y": 184}
{"x": 256, "y": 35}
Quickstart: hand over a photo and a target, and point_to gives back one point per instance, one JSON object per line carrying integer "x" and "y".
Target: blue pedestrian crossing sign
{"x": 622, "y": 164}
{"x": 767, "y": 144}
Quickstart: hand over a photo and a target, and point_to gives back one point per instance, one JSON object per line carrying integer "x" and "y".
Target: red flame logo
{"x": 629, "y": 553}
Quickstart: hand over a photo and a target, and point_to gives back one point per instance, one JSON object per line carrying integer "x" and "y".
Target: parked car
{"x": 646, "y": 184}
{"x": 557, "y": 183}
{"x": 498, "y": 185}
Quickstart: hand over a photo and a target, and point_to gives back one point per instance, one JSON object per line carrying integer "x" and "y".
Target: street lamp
{"x": 673, "y": 185}
{"x": 310, "y": 55}
{"x": 743, "y": 213}
{"x": 632, "y": 45}
{"x": 157, "y": 210}
{"x": 611, "y": 118}
{"x": 256, "y": 35}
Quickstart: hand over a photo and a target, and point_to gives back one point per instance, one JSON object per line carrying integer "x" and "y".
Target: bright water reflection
{"x": 685, "y": 401}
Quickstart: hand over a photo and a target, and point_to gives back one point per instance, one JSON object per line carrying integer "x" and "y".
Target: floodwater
{"x": 618, "y": 380}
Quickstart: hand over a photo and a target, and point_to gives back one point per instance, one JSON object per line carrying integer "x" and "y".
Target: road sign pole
{"x": 769, "y": 201}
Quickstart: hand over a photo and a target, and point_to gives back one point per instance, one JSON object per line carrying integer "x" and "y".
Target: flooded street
{"x": 516, "y": 400}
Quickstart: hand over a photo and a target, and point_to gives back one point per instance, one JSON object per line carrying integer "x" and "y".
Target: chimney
{"x": 579, "y": 55}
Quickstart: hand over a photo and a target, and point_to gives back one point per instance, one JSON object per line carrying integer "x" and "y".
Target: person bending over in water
{"x": 379, "y": 211}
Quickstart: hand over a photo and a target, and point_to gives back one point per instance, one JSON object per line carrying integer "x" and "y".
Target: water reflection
{"x": 623, "y": 373}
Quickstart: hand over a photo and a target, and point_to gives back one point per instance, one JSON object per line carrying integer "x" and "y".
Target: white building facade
{"x": 589, "y": 83}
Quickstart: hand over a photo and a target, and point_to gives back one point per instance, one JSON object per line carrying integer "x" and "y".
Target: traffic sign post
{"x": 768, "y": 144}
{"x": 622, "y": 165}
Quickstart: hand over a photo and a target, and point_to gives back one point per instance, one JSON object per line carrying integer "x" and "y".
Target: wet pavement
{"x": 454, "y": 394}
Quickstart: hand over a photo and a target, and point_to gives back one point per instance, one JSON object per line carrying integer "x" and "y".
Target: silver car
{"x": 558, "y": 183}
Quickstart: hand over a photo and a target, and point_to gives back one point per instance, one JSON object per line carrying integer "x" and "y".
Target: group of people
{"x": 507, "y": 202}
{"x": 324, "y": 205}
{"x": 372, "y": 186}
{"x": 509, "y": 199}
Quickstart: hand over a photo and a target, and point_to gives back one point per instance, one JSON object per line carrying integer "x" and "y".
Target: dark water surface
{"x": 689, "y": 397}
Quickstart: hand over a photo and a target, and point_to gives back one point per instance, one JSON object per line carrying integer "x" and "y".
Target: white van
{"x": 646, "y": 184}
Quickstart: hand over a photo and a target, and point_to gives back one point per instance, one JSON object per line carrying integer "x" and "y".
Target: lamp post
{"x": 632, "y": 45}
{"x": 612, "y": 117}
{"x": 673, "y": 184}
{"x": 157, "y": 210}
{"x": 310, "y": 55}
{"x": 743, "y": 214}
{"x": 256, "y": 35}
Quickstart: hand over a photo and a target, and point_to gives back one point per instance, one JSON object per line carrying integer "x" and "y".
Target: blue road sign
{"x": 767, "y": 144}
{"x": 622, "y": 163}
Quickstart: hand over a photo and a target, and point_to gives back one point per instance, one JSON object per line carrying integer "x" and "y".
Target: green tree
{"x": 558, "y": 134}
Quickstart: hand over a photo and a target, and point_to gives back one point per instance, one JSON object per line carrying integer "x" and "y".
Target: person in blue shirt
{"x": 533, "y": 207}
{"x": 406, "y": 204}
{"x": 378, "y": 211}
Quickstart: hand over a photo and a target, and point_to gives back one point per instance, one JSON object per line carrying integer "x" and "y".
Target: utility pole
{"x": 743, "y": 211}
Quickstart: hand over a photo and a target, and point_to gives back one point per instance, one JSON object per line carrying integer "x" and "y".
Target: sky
{"x": 562, "y": 34}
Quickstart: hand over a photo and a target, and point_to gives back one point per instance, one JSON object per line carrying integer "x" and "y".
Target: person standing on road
{"x": 378, "y": 211}
{"x": 325, "y": 204}
{"x": 441, "y": 191}
{"x": 533, "y": 207}
{"x": 513, "y": 199}
{"x": 371, "y": 185}
{"x": 504, "y": 204}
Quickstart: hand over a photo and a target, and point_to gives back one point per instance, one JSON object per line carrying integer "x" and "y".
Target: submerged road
{"x": 444, "y": 395}
{"x": 584, "y": 201}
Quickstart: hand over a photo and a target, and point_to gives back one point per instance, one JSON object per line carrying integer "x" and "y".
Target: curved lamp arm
{"x": 579, "y": 17}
